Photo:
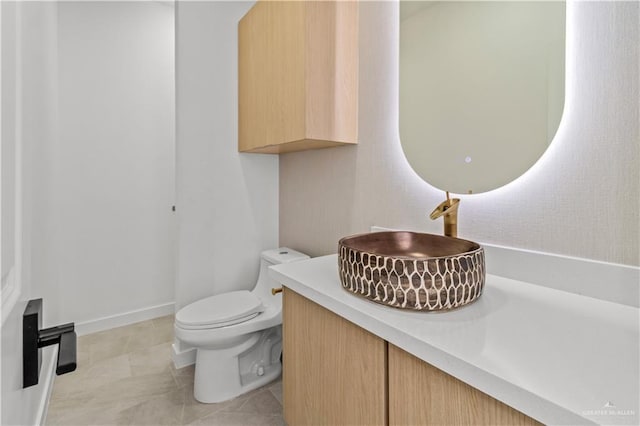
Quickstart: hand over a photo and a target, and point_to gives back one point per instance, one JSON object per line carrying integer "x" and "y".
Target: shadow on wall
{"x": 326, "y": 206}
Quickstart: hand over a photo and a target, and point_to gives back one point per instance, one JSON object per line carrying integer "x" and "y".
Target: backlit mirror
{"x": 481, "y": 88}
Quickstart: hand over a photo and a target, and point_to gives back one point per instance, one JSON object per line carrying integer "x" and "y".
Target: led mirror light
{"x": 483, "y": 82}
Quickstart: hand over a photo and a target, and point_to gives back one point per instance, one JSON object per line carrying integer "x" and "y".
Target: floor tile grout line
{"x": 179, "y": 386}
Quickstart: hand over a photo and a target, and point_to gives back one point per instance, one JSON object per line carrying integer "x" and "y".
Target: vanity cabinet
{"x": 336, "y": 373}
{"x": 297, "y": 76}
{"x": 420, "y": 394}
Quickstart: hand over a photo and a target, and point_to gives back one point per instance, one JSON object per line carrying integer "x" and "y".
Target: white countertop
{"x": 558, "y": 357}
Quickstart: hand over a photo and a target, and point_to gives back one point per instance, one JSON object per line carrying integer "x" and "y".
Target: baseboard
{"x": 47, "y": 376}
{"x": 182, "y": 357}
{"x": 126, "y": 318}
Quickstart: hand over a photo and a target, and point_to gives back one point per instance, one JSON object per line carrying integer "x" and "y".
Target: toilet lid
{"x": 220, "y": 310}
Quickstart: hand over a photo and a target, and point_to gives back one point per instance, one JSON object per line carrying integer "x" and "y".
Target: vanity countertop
{"x": 558, "y": 357}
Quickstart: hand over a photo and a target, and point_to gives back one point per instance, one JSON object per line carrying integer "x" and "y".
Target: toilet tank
{"x": 283, "y": 255}
{"x": 269, "y": 258}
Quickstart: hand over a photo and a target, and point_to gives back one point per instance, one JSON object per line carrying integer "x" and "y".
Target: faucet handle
{"x": 449, "y": 209}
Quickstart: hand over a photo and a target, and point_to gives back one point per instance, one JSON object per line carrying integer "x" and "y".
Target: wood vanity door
{"x": 334, "y": 372}
{"x": 420, "y": 394}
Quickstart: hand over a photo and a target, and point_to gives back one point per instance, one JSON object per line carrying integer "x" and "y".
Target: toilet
{"x": 237, "y": 335}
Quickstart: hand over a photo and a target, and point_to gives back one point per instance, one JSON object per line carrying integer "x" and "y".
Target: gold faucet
{"x": 449, "y": 209}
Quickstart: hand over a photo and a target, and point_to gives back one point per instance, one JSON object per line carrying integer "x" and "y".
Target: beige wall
{"x": 581, "y": 199}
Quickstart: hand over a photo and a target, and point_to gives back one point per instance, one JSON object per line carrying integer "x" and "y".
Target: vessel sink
{"x": 411, "y": 270}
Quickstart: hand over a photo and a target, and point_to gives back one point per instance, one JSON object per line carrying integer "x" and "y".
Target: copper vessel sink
{"x": 411, "y": 270}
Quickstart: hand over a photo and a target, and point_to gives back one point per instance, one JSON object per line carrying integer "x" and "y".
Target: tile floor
{"x": 125, "y": 376}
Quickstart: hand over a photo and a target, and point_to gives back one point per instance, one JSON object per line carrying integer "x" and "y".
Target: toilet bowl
{"x": 237, "y": 335}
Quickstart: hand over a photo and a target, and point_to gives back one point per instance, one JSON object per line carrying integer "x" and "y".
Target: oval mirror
{"x": 481, "y": 89}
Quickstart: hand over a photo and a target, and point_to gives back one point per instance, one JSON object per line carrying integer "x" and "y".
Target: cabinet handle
{"x": 275, "y": 291}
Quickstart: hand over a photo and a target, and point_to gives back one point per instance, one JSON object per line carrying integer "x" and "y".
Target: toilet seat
{"x": 221, "y": 310}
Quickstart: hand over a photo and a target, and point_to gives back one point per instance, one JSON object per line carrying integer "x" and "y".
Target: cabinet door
{"x": 271, "y": 84}
{"x": 334, "y": 372}
{"x": 420, "y": 394}
{"x": 297, "y": 76}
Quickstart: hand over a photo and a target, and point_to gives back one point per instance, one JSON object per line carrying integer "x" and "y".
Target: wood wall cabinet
{"x": 297, "y": 76}
{"x": 336, "y": 373}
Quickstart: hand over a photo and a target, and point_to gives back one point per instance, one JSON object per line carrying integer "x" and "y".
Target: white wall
{"x": 582, "y": 199}
{"x": 28, "y": 113}
{"x": 103, "y": 190}
{"x": 92, "y": 124}
{"x": 227, "y": 201}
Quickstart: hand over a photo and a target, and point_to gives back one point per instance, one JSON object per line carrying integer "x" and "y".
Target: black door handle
{"x": 34, "y": 338}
